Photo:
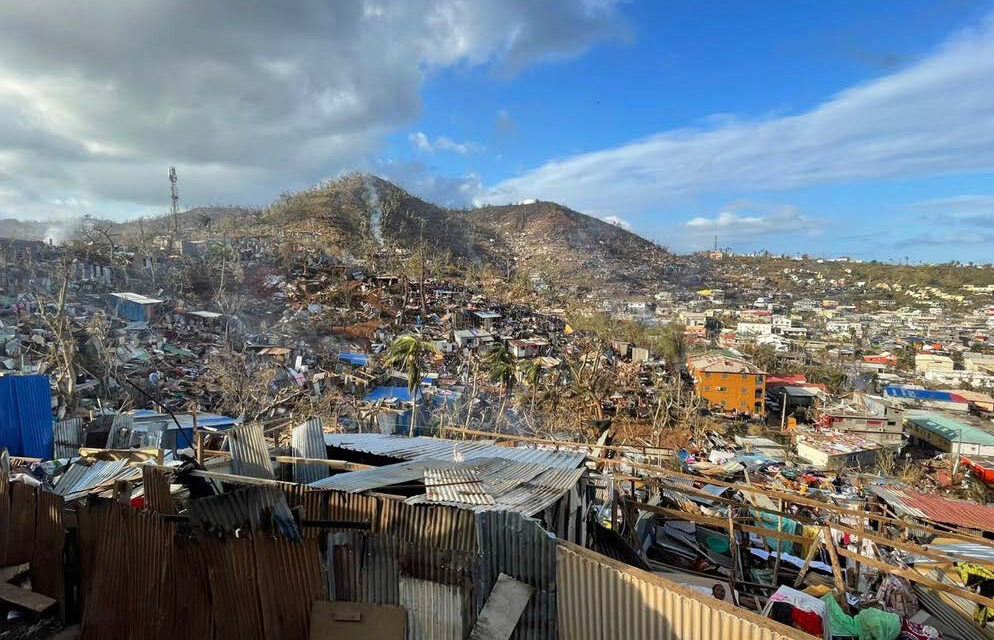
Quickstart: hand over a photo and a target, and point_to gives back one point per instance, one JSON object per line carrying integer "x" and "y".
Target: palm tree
{"x": 500, "y": 368}
{"x": 409, "y": 354}
{"x": 532, "y": 372}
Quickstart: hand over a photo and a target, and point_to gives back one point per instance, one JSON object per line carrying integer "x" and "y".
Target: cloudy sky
{"x": 831, "y": 128}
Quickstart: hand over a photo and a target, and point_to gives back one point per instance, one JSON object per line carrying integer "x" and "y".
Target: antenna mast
{"x": 174, "y": 194}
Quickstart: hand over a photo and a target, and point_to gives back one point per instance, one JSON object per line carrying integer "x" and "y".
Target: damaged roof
{"x": 419, "y": 447}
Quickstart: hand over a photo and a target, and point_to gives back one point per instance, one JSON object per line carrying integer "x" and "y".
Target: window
{"x": 721, "y": 388}
{"x": 724, "y": 376}
{"x": 759, "y": 379}
{"x": 706, "y": 388}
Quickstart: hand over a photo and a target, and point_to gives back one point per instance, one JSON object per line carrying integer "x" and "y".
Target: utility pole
{"x": 174, "y": 194}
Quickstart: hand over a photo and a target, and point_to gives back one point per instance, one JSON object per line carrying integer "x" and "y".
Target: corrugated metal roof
{"x": 953, "y": 622}
{"x": 457, "y": 486}
{"x": 413, "y": 448}
{"x": 434, "y": 610}
{"x": 249, "y": 452}
{"x": 602, "y": 598}
{"x": 79, "y": 479}
{"x": 26, "y": 416}
{"x": 948, "y": 428}
{"x": 518, "y": 546}
{"x": 67, "y": 436}
{"x": 517, "y": 486}
{"x": 369, "y": 479}
{"x": 307, "y": 441}
{"x": 936, "y": 508}
{"x": 248, "y": 508}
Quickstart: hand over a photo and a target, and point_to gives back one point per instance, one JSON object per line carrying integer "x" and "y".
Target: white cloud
{"x": 98, "y": 99}
{"x": 422, "y": 142}
{"x": 618, "y": 222}
{"x": 756, "y": 223}
{"x": 935, "y": 117}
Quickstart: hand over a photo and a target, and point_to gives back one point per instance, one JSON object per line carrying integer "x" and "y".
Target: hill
{"x": 540, "y": 241}
{"x": 23, "y": 229}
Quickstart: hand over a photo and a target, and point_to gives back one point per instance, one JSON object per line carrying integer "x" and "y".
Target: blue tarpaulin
{"x": 354, "y": 359}
{"x": 923, "y": 394}
{"x": 26, "y": 416}
{"x": 382, "y": 393}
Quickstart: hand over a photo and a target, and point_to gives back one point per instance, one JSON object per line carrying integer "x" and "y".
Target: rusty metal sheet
{"x": 67, "y": 437}
{"x": 234, "y": 592}
{"x": 247, "y": 508}
{"x": 289, "y": 581}
{"x": 158, "y": 497}
{"x": 46, "y": 561}
{"x": 122, "y": 592}
{"x": 520, "y": 548}
{"x": 249, "y": 452}
{"x": 459, "y": 486}
{"x": 437, "y": 526}
{"x": 602, "y": 598}
{"x": 343, "y": 557}
{"x": 21, "y": 537}
{"x": 434, "y": 610}
{"x": 352, "y": 507}
{"x": 185, "y": 594}
{"x": 307, "y": 441}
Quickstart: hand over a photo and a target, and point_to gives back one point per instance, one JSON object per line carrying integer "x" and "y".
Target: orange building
{"x": 729, "y": 383}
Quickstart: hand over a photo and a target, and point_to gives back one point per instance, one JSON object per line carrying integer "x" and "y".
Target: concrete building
{"x": 925, "y": 362}
{"x": 870, "y": 417}
{"x": 961, "y": 434}
{"x": 836, "y": 451}
{"x": 729, "y": 383}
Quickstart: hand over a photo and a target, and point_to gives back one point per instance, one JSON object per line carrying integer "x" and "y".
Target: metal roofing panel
{"x": 601, "y": 598}
{"x": 954, "y": 622}
{"x": 26, "y": 416}
{"x": 369, "y": 479}
{"x": 249, "y": 452}
{"x": 434, "y": 610}
{"x": 412, "y": 448}
{"x": 67, "y": 437}
{"x": 936, "y": 508}
{"x": 80, "y": 479}
{"x": 518, "y": 546}
{"x": 459, "y": 486}
{"x": 248, "y": 508}
{"x": 307, "y": 441}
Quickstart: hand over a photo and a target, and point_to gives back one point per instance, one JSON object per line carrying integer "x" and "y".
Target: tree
{"x": 410, "y": 355}
{"x": 532, "y": 371}
{"x": 672, "y": 345}
{"x": 500, "y": 369}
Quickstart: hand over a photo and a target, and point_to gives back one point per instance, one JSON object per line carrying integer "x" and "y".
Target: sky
{"x": 832, "y": 128}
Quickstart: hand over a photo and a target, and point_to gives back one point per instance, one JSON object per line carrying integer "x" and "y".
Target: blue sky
{"x": 832, "y": 128}
{"x": 691, "y": 64}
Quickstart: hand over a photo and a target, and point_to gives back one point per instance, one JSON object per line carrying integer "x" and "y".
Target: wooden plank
{"x": 808, "y": 558}
{"x": 24, "y": 598}
{"x": 840, "y": 584}
{"x": 914, "y": 576}
{"x": 339, "y": 465}
{"x": 503, "y": 609}
{"x": 719, "y": 523}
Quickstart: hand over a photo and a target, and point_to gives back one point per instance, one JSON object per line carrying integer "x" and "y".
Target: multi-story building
{"x": 729, "y": 383}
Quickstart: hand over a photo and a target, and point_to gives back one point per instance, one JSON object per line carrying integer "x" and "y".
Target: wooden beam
{"x": 808, "y": 558}
{"x": 914, "y": 576}
{"x": 339, "y": 465}
{"x": 840, "y": 584}
{"x": 718, "y": 523}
